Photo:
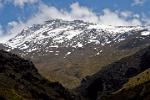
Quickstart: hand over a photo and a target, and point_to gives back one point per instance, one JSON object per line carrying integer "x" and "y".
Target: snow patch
{"x": 145, "y": 33}
{"x": 79, "y": 45}
{"x": 68, "y": 53}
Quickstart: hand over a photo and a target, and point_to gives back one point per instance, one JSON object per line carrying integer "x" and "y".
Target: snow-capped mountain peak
{"x": 59, "y": 33}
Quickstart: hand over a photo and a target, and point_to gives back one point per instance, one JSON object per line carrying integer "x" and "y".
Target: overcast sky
{"x": 15, "y": 15}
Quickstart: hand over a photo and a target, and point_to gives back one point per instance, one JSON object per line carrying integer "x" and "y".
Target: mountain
{"x": 67, "y": 51}
{"x": 20, "y": 80}
{"x": 126, "y": 79}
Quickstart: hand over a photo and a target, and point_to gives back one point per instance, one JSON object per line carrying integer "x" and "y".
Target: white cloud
{"x": 138, "y": 2}
{"x": 77, "y": 12}
{"x": 126, "y": 14}
{"x": 21, "y": 3}
{"x": 82, "y": 13}
{"x": 118, "y": 18}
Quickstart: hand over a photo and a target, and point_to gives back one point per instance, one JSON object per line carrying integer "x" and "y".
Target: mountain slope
{"x": 137, "y": 88}
{"x": 111, "y": 78}
{"x": 20, "y": 80}
{"x": 67, "y": 51}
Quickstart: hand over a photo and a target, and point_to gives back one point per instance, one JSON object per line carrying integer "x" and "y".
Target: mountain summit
{"x": 60, "y": 33}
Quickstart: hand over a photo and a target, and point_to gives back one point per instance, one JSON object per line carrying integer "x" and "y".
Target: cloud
{"x": 82, "y": 13}
{"x": 21, "y": 3}
{"x": 77, "y": 12}
{"x": 138, "y": 2}
{"x": 126, "y": 14}
{"x": 117, "y": 18}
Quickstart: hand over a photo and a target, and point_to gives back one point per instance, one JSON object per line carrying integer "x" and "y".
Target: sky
{"x": 15, "y": 15}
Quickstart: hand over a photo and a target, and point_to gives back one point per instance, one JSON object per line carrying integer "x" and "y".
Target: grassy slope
{"x": 19, "y": 80}
{"x": 85, "y": 66}
{"x": 137, "y": 88}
